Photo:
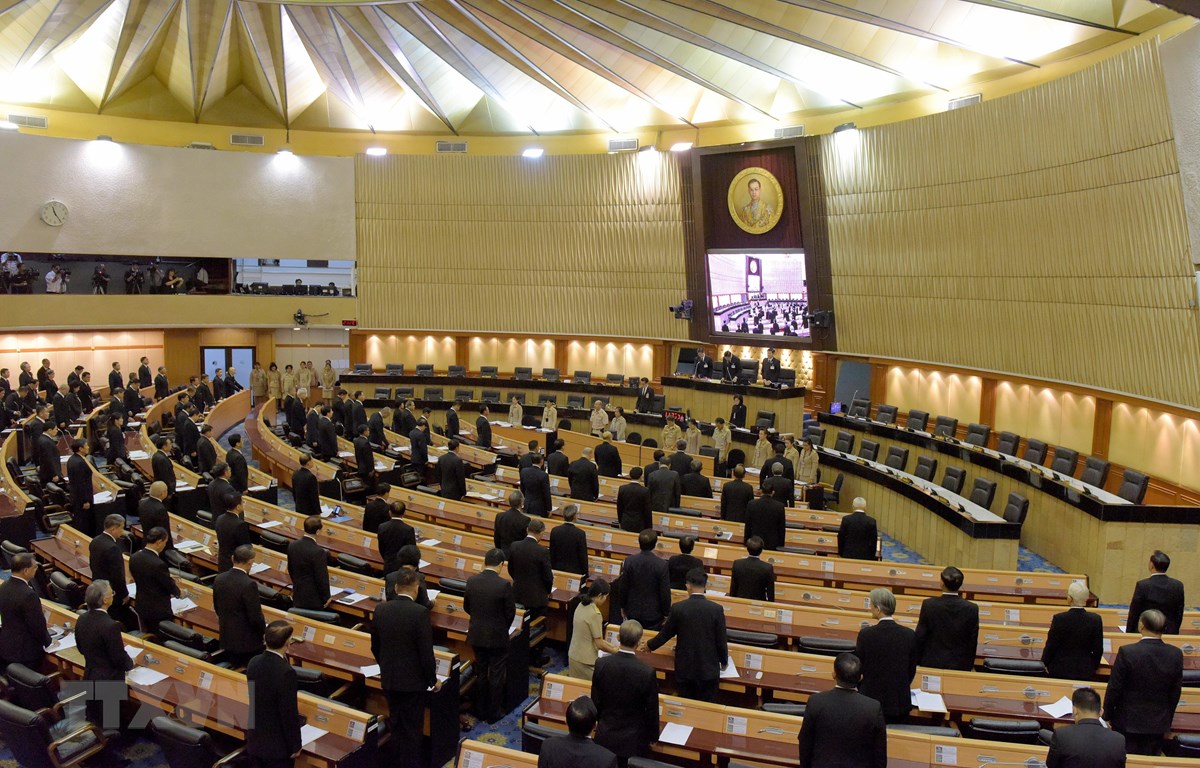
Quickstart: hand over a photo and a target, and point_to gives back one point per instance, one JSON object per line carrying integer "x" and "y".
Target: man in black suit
{"x": 162, "y": 387}
{"x": 557, "y": 462}
{"x": 115, "y": 379}
{"x": 187, "y": 434}
{"x": 535, "y": 487}
{"x": 418, "y": 440}
{"x": 753, "y": 578}
{"x": 842, "y": 726}
{"x": 115, "y": 437}
{"x": 239, "y": 471}
{"x": 568, "y": 544}
{"x": 1144, "y": 687}
{"x": 232, "y": 531}
{"x": 106, "y": 561}
{"x": 644, "y": 587}
{"x": 653, "y": 466}
{"x": 694, "y": 483}
{"x": 679, "y": 566}
{"x": 526, "y": 459}
{"x": 779, "y": 486}
{"x": 312, "y": 422}
{"x": 665, "y": 489}
{"x": 305, "y": 488}
{"x": 1075, "y": 642}
{"x": 402, "y": 643}
{"x": 608, "y": 458}
{"x": 377, "y": 510}
{"x": 490, "y": 603}
{"x": 704, "y": 365}
{"x": 511, "y": 524}
{"x": 131, "y": 401}
{"x": 308, "y": 567}
{"x": 948, "y": 629}
{"x": 779, "y": 459}
{"x": 364, "y": 457}
{"x": 274, "y": 741}
{"x": 625, "y": 690}
{"x": 152, "y": 511}
{"x": 218, "y": 488}
{"x": 105, "y": 661}
{"x": 327, "y": 445}
{"x": 645, "y": 397}
{"x": 395, "y": 534}
{"x": 858, "y": 535}
{"x": 204, "y": 397}
{"x": 770, "y": 367}
{"x": 633, "y": 504}
{"x": 49, "y": 463}
{"x": 731, "y": 366}
{"x": 1087, "y": 743}
{"x": 736, "y": 496}
{"x": 583, "y": 477}
{"x": 145, "y": 378}
{"x": 297, "y": 419}
{"x": 403, "y": 420}
{"x": 152, "y": 575}
{"x": 87, "y": 398}
{"x": 116, "y": 404}
{"x": 358, "y": 413}
{"x": 452, "y": 421}
{"x": 161, "y": 465}
{"x": 576, "y": 749}
{"x": 218, "y": 383}
{"x": 530, "y": 569}
{"x": 452, "y": 472}
{"x": 679, "y": 461}
{"x": 37, "y": 425}
{"x": 409, "y": 560}
{"x": 79, "y": 482}
{"x": 1160, "y": 592}
{"x": 702, "y": 650}
{"x": 23, "y": 633}
{"x": 343, "y": 415}
{"x": 206, "y": 450}
{"x": 232, "y": 385}
{"x": 483, "y": 428}
{"x": 766, "y": 518}
{"x": 239, "y": 611}
{"x": 377, "y": 428}
{"x": 889, "y": 659}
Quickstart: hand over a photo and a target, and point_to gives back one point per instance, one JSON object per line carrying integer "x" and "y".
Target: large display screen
{"x": 758, "y": 293}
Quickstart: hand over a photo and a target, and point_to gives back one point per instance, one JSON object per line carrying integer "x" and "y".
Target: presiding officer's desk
{"x": 1077, "y": 527}
{"x": 711, "y": 398}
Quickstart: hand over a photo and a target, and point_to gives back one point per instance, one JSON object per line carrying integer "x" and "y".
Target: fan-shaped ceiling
{"x": 505, "y": 66}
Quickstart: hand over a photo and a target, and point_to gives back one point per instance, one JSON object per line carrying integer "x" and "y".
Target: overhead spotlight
{"x": 6, "y": 125}
{"x": 104, "y": 137}
{"x": 285, "y": 151}
{"x": 376, "y": 151}
{"x": 682, "y": 146}
{"x": 845, "y": 127}
{"x": 533, "y": 153}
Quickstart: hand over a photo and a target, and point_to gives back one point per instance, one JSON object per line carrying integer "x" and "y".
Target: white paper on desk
{"x": 309, "y": 734}
{"x": 371, "y": 670}
{"x": 928, "y": 702}
{"x": 270, "y": 524}
{"x": 515, "y": 626}
{"x": 259, "y": 568}
{"x": 181, "y": 604}
{"x": 714, "y": 592}
{"x": 188, "y": 545}
{"x": 345, "y": 454}
{"x": 1058, "y": 709}
{"x": 433, "y": 594}
{"x": 730, "y": 670}
{"x": 430, "y": 542}
{"x": 674, "y": 733}
{"x": 144, "y": 676}
{"x": 183, "y": 487}
{"x": 136, "y": 455}
{"x": 257, "y": 488}
{"x": 68, "y": 641}
{"x": 326, "y": 511}
{"x": 352, "y": 598}
{"x": 131, "y": 588}
{"x": 422, "y": 564}
{"x": 103, "y": 497}
{"x": 133, "y": 651}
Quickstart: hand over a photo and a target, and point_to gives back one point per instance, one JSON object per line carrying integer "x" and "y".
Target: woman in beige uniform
{"x": 274, "y": 382}
{"x": 516, "y": 412}
{"x": 328, "y": 379}
{"x": 806, "y": 467}
{"x": 587, "y": 633}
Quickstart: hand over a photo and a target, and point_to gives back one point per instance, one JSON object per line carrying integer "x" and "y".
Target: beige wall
{"x": 95, "y": 350}
{"x": 1041, "y": 234}
{"x": 937, "y": 393}
{"x": 68, "y": 312}
{"x": 508, "y": 353}
{"x": 586, "y": 244}
{"x": 1050, "y": 415}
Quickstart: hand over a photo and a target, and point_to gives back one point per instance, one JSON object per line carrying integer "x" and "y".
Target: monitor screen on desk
{"x": 759, "y": 293}
{"x": 835, "y": 407}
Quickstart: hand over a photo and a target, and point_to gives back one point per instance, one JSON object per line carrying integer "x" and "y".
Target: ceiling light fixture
{"x": 682, "y": 146}
{"x": 104, "y": 137}
{"x": 845, "y": 127}
{"x": 533, "y": 153}
{"x": 376, "y": 151}
{"x": 285, "y": 151}
{"x": 5, "y": 125}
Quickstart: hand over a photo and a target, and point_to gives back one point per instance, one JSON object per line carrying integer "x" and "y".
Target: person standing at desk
{"x": 535, "y": 489}
{"x": 644, "y": 586}
{"x": 645, "y": 397}
{"x": 418, "y": 441}
{"x": 1144, "y": 688}
{"x": 105, "y": 661}
{"x": 160, "y": 463}
{"x": 402, "y": 644}
{"x": 516, "y": 412}
{"x": 23, "y": 633}
{"x": 162, "y": 387}
{"x": 583, "y": 477}
{"x": 731, "y": 367}
{"x": 598, "y": 418}
{"x": 679, "y": 461}
{"x": 115, "y": 379}
{"x": 625, "y": 690}
{"x": 672, "y": 435}
{"x": 763, "y": 449}
{"x": 576, "y": 749}
{"x": 633, "y": 504}
{"x": 753, "y": 578}
{"x": 568, "y": 544}
{"x": 395, "y": 534}
{"x": 701, "y": 650}
{"x": 483, "y": 428}
{"x": 736, "y": 496}
{"x": 858, "y": 534}
{"x": 665, "y": 488}
{"x": 737, "y": 414}
{"x": 807, "y": 463}
{"x": 557, "y": 462}
{"x": 304, "y": 488}
{"x": 274, "y": 741}
{"x": 608, "y": 458}
{"x": 152, "y": 575}
{"x": 404, "y": 420}
{"x": 766, "y": 517}
{"x": 329, "y": 383}
{"x": 531, "y": 450}
{"x": 240, "y": 618}
{"x": 529, "y": 567}
{"x": 889, "y": 658}
{"x": 452, "y": 472}
{"x": 842, "y": 727}
{"x": 722, "y": 438}
{"x": 232, "y": 531}
{"x": 770, "y": 368}
{"x": 1160, "y": 592}
{"x": 694, "y": 483}
{"x": 145, "y": 377}
{"x": 206, "y": 450}
{"x": 308, "y": 568}
{"x": 490, "y": 604}
{"x": 679, "y": 566}
{"x": 239, "y": 472}
{"x": 511, "y": 524}
{"x": 258, "y": 384}
{"x": 703, "y": 366}
{"x": 79, "y": 482}
{"x": 617, "y": 426}
{"x": 948, "y": 629}
{"x": 452, "y": 421}
{"x": 106, "y": 559}
{"x": 1088, "y": 743}
{"x": 1075, "y": 642}
{"x": 587, "y": 631}
{"x": 375, "y": 426}
{"x": 550, "y": 416}
{"x": 377, "y": 511}
{"x": 364, "y": 457}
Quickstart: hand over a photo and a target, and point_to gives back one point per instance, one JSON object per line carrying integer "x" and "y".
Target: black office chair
{"x": 187, "y": 747}
{"x": 519, "y": 395}
{"x": 844, "y": 442}
{"x": 575, "y": 401}
{"x": 1035, "y": 451}
{"x": 787, "y": 377}
{"x": 1095, "y": 471}
{"x": 824, "y": 646}
{"x": 953, "y": 479}
{"x": 363, "y": 368}
{"x": 353, "y": 564}
{"x": 65, "y": 591}
{"x": 860, "y": 408}
{"x": 8, "y": 550}
{"x": 1133, "y": 486}
{"x": 926, "y": 468}
{"x": 1020, "y": 667}
{"x": 945, "y": 426}
{"x": 1065, "y": 460}
{"x": 273, "y": 597}
{"x": 453, "y": 586}
{"x": 897, "y": 458}
{"x": 649, "y": 442}
{"x": 615, "y": 378}
{"x": 1183, "y": 745}
{"x": 582, "y": 377}
{"x": 816, "y": 434}
{"x": 834, "y": 494}
{"x": 274, "y": 541}
{"x": 1007, "y": 443}
{"x": 383, "y": 393}
{"x": 550, "y": 374}
{"x": 734, "y": 457}
{"x": 765, "y": 420}
{"x": 32, "y": 690}
{"x": 38, "y": 742}
{"x": 534, "y": 735}
{"x": 405, "y": 393}
{"x": 457, "y": 371}
{"x": 633, "y": 438}
{"x": 544, "y": 399}
{"x": 757, "y": 639}
{"x": 466, "y": 395}
{"x": 983, "y": 492}
{"x": 917, "y": 420}
{"x": 433, "y": 393}
{"x": 187, "y": 636}
{"x": 522, "y": 374}
{"x": 313, "y": 614}
{"x": 492, "y": 396}
{"x": 869, "y": 450}
{"x": 489, "y": 371}
{"x": 886, "y": 413}
{"x": 999, "y": 729}
{"x": 424, "y": 369}
{"x": 978, "y": 434}
{"x": 394, "y": 369}
{"x": 1016, "y": 509}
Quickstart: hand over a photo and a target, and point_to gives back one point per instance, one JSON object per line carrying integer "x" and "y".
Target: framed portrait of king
{"x": 755, "y": 200}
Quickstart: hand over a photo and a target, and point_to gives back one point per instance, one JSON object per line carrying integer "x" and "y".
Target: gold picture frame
{"x": 755, "y": 200}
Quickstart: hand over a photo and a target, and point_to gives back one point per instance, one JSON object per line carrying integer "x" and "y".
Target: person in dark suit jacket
{"x": 402, "y": 643}
{"x": 377, "y": 428}
{"x": 679, "y": 566}
{"x": 736, "y": 496}
{"x": 297, "y": 419}
{"x": 162, "y": 387}
{"x": 49, "y": 463}
{"x": 410, "y": 560}
{"x": 767, "y": 469}
{"x": 152, "y": 575}
{"x": 23, "y": 633}
{"x": 377, "y": 510}
{"x": 308, "y": 567}
{"x": 770, "y": 367}
{"x": 418, "y": 440}
{"x": 753, "y": 578}
{"x": 206, "y": 450}
{"x": 583, "y": 478}
{"x": 204, "y": 397}
{"x": 312, "y": 421}
{"x": 305, "y": 488}
{"x": 888, "y": 654}
{"x": 842, "y": 727}
{"x": 358, "y": 413}
{"x": 1160, "y": 592}
{"x": 327, "y": 445}
{"x": 1075, "y": 642}
{"x": 702, "y": 650}
{"x": 645, "y": 397}
{"x": 98, "y": 637}
{"x": 145, "y": 377}
{"x": 187, "y": 436}
{"x": 87, "y": 397}
{"x": 1144, "y": 687}
{"x": 679, "y": 461}
{"x": 1087, "y": 743}
{"x": 452, "y": 472}
{"x": 37, "y": 425}
{"x": 530, "y": 569}
{"x": 625, "y": 690}
{"x": 238, "y": 608}
{"x": 644, "y": 587}
{"x": 576, "y": 749}
{"x": 219, "y": 488}
{"x": 403, "y": 420}
{"x": 239, "y": 470}
{"x": 568, "y": 544}
{"x": 608, "y": 458}
{"x": 526, "y": 459}
{"x": 665, "y": 489}
{"x": 948, "y": 629}
{"x": 731, "y": 366}
{"x": 858, "y": 535}
{"x": 106, "y": 558}
{"x": 232, "y": 531}
{"x": 511, "y": 524}
{"x": 490, "y": 603}
{"x": 115, "y": 379}
{"x": 453, "y": 426}
{"x": 557, "y": 462}
{"x": 633, "y": 504}
{"x": 364, "y": 457}
{"x": 274, "y": 741}
{"x": 394, "y": 534}
{"x": 153, "y": 513}
{"x": 131, "y": 401}
{"x": 161, "y": 465}
{"x": 694, "y": 483}
{"x": 483, "y": 428}
{"x": 535, "y": 488}
{"x": 79, "y": 482}
{"x": 780, "y": 486}
{"x": 653, "y": 466}
{"x": 115, "y": 437}
{"x": 766, "y": 518}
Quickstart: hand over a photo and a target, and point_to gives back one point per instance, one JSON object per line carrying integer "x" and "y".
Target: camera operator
{"x": 22, "y": 282}
{"x": 57, "y": 278}
{"x": 100, "y": 280}
{"x": 134, "y": 279}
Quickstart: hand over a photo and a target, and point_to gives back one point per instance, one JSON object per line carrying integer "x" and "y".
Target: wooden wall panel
{"x": 1041, "y": 234}
{"x": 935, "y": 392}
{"x": 508, "y": 354}
{"x": 96, "y": 351}
{"x": 1050, "y": 415}
{"x": 584, "y": 245}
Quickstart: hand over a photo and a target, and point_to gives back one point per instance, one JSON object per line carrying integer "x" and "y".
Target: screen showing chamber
{"x": 758, "y": 293}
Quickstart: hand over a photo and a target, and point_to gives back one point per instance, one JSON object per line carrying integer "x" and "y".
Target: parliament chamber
{"x": 506, "y": 384}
